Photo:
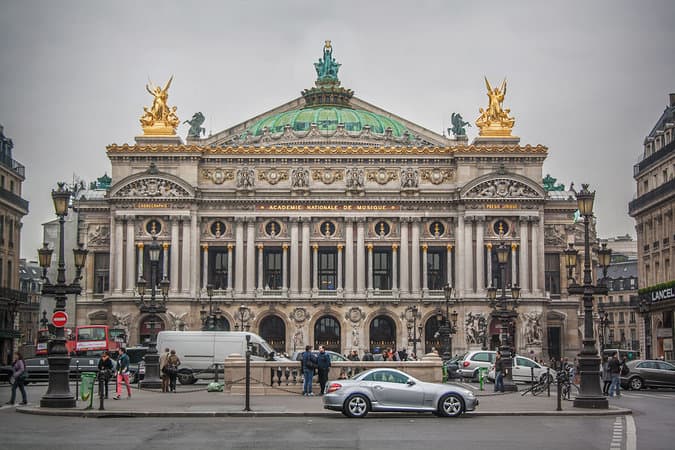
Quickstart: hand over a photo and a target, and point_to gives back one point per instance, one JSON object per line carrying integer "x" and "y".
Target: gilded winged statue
{"x": 159, "y": 118}
{"x": 495, "y": 120}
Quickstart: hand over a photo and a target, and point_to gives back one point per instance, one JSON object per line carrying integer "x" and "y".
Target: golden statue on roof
{"x": 495, "y": 121}
{"x": 159, "y": 119}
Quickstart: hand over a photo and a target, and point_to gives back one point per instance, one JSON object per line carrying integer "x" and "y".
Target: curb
{"x": 122, "y": 414}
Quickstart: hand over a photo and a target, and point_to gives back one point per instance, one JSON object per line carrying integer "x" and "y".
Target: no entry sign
{"x": 59, "y": 319}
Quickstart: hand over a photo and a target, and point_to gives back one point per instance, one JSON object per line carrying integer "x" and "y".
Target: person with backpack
{"x": 323, "y": 367}
{"x": 122, "y": 374}
{"x": 172, "y": 364}
{"x": 499, "y": 373}
{"x": 105, "y": 371}
{"x": 163, "y": 360}
{"x": 19, "y": 377}
{"x": 309, "y": 363}
{"x": 614, "y": 366}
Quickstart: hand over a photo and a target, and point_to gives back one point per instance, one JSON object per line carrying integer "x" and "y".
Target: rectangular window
{"x": 621, "y": 317}
{"x": 632, "y": 317}
{"x": 552, "y": 273}
{"x": 218, "y": 267}
{"x": 272, "y": 268}
{"x": 1, "y": 267}
{"x": 10, "y": 234}
{"x": 327, "y": 269}
{"x": 2, "y": 230}
{"x": 9, "y": 274}
{"x": 382, "y": 269}
{"x": 147, "y": 267}
{"x": 11, "y": 186}
{"x": 101, "y": 272}
{"x": 436, "y": 279}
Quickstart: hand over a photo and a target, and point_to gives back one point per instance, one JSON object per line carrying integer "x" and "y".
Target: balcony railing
{"x": 649, "y": 160}
{"x": 13, "y": 165}
{"x": 14, "y": 199}
{"x": 12, "y": 295}
{"x": 663, "y": 191}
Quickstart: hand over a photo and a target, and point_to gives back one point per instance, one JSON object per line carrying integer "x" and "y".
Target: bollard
{"x": 532, "y": 375}
{"x": 101, "y": 390}
{"x": 217, "y": 368}
{"x": 248, "y": 373}
{"x": 548, "y": 381}
{"x": 559, "y": 408}
{"x": 77, "y": 380}
{"x": 480, "y": 378}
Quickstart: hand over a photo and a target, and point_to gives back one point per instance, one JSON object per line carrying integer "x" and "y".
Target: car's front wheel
{"x": 636, "y": 383}
{"x": 186, "y": 378}
{"x": 451, "y": 405}
{"x": 356, "y": 406}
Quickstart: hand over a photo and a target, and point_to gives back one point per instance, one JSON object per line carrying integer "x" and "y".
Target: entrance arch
{"x": 382, "y": 333}
{"x": 150, "y": 326}
{"x": 273, "y": 330}
{"x": 431, "y": 338}
{"x": 327, "y": 333}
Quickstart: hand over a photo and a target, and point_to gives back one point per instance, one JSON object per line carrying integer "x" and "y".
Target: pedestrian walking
{"x": 353, "y": 356}
{"x": 606, "y": 377}
{"x": 614, "y": 366}
{"x": 106, "y": 367}
{"x": 367, "y": 356}
{"x": 323, "y": 367}
{"x": 499, "y": 373}
{"x": 163, "y": 360}
{"x": 172, "y": 363}
{"x": 122, "y": 374}
{"x": 308, "y": 364}
{"x": 18, "y": 379}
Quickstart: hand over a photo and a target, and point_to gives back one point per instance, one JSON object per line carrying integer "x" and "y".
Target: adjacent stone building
{"x": 653, "y": 213}
{"x": 325, "y": 220}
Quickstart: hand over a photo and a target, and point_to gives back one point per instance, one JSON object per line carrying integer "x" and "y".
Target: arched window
{"x": 327, "y": 333}
{"x": 431, "y": 339}
{"x": 273, "y": 330}
{"x": 382, "y": 333}
{"x": 150, "y": 327}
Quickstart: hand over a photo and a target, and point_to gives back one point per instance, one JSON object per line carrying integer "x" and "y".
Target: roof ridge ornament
{"x": 160, "y": 119}
{"x": 495, "y": 120}
{"x": 327, "y": 90}
{"x": 327, "y": 68}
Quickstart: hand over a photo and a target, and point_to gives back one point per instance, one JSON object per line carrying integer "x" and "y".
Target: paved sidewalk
{"x": 195, "y": 401}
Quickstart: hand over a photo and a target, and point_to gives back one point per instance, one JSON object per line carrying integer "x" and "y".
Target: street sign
{"x": 59, "y": 319}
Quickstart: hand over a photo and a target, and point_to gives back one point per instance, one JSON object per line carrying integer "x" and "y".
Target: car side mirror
{"x": 410, "y": 383}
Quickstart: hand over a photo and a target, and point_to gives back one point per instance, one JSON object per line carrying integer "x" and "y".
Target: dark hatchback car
{"x": 648, "y": 373}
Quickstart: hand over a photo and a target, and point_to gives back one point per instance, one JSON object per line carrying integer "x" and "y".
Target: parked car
{"x": 334, "y": 356}
{"x": 470, "y": 362}
{"x": 38, "y": 368}
{"x": 452, "y": 367}
{"x": 648, "y": 373}
{"x": 392, "y": 390}
{"x": 136, "y": 363}
{"x": 522, "y": 370}
{"x": 6, "y": 373}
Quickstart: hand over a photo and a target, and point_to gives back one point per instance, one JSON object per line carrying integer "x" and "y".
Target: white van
{"x": 199, "y": 351}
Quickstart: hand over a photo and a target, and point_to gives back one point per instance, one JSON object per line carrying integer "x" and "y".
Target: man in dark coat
{"x": 323, "y": 367}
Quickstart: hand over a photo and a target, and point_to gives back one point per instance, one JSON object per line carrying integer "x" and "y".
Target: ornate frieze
{"x": 218, "y": 175}
{"x": 355, "y": 179}
{"x": 475, "y": 328}
{"x": 555, "y": 234}
{"x": 98, "y": 235}
{"x": 381, "y": 175}
{"x": 153, "y": 188}
{"x": 300, "y": 178}
{"x": 532, "y": 329}
{"x": 437, "y": 175}
{"x": 502, "y": 188}
{"x": 410, "y": 178}
{"x": 328, "y": 176}
{"x": 245, "y": 178}
{"x": 272, "y": 175}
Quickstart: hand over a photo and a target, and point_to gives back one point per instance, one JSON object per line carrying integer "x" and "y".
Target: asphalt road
{"x": 654, "y": 416}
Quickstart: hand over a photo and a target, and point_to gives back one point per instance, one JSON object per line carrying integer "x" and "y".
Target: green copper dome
{"x": 327, "y": 118}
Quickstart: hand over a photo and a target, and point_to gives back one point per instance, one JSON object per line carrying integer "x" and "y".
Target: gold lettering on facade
{"x": 310, "y": 207}
{"x": 502, "y": 206}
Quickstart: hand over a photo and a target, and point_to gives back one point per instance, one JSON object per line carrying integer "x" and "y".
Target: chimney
{"x": 672, "y": 99}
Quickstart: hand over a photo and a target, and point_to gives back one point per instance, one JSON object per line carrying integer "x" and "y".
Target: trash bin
{"x": 87, "y": 386}
{"x": 482, "y": 374}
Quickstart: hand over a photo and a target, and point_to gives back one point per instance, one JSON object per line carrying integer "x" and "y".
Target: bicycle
{"x": 540, "y": 386}
{"x": 568, "y": 390}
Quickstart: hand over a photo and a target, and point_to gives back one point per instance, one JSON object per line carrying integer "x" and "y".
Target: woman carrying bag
{"x": 19, "y": 377}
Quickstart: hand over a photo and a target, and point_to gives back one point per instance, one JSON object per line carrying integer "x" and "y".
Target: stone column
{"x": 229, "y": 266}
{"x": 349, "y": 256}
{"x": 394, "y": 268}
{"x": 315, "y": 269}
{"x": 448, "y": 264}
{"x": 130, "y": 257}
{"x": 370, "y": 267}
{"x": 284, "y": 268}
{"x": 405, "y": 260}
{"x": 468, "y": 257}
{"x": 185, "y": 266}
{"x": 425, "y": 281}
{"x": 205, "y": 265}
{"x": 536, "y": 269}
{"x": 524, "y": 257}
{"x": 480, "y": 270}
{"x": 165, "y": 261}
{"x": 113, "y": 254}
{"x": 140, "y": 247}
{"x": 415, "y": 258}
{"x": 239, "y": 264}
{"x": 306, "y": 268}
{"x": 488, "y": 246}
{"x": 119, "y": 260}
{"x": 514, "y": 268}
{"x": 175, "y": 255}
{"x": 459, "y": 257}
{"x": 250, "y": 257}
{"x": 360, "y": 257}
{"x": 339, "y": 268}
{"x": 295, "y": 263}
{"x": 194, "y": 254}
{"x": 261, "y": 249}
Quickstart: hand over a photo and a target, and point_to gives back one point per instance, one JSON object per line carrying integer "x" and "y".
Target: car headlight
{"x": 469, "y": 394}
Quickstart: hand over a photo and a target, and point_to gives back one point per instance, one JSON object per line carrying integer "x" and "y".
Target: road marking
{"x": 660, "y": 397}
{"x": 631, "y": 433}
{"x": 617, "y": 434}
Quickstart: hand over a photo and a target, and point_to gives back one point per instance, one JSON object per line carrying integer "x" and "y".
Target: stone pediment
{"x": 152, "y": 185}
{"x": 502, "y": 187}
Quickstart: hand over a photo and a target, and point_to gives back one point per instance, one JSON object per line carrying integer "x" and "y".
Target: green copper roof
{"x": 327, "y": 118}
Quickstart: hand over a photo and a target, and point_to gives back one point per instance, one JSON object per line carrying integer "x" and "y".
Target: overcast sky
{"x": 587, "y": 79}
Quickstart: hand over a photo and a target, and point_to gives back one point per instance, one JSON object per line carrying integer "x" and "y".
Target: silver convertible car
{"x": 392, "y": 390}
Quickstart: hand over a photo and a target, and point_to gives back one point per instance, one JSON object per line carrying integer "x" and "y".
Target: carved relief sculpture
{"x": 437, "y": 176}
{"x": 475, "y": 328}
{"x": 245, "y": 178}
{"x": 152, "y": 187}
{"x": 327, "y": 176}
{"x": 409, "y": 178}
{"x": 273, "y": 176}
{"x": 300, "y": 178}
{"x": 98, "y": 235}
{"x": 532, "y": 328}
{"x": 178, "y": 321}
{"x": 218, "y": 176}
{"x": 382, "y": 176}
{"x": 502, "y": 188}
{"x": 355, "y": 178}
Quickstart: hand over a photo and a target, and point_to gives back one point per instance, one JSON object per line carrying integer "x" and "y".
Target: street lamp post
{"x": 506, "y": 316}
{"x": 58, "y": 393}
{"x": 152, "y": 307}
{"x": 447, "y": 324}
{"x": 590, "y": 392}
{"x": 411, "y": 315}
{"x": 646, "y": 318}
{"x": 604, "y": 324}
{"x": 243, "y": 314}
{"x": 208, "y": 320}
